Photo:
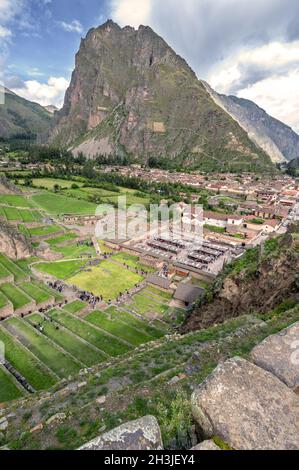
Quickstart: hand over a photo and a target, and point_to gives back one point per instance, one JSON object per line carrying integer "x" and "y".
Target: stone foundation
{"x": 7, "y": 280}
{"x": 6, "y": 311}
{"x": 27, "y": 309}
{"x": 47, "y": 303}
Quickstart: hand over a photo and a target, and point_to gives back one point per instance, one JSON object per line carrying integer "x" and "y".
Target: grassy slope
{"x": 19, "y": 116}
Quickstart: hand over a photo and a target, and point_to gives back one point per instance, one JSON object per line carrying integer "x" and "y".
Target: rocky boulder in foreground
{"x": 142, "y": 434}
{"x": 247, "y": 407}
{"x": 279, "y": 354}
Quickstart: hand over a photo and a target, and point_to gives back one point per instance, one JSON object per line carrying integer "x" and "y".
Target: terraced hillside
{"x": 157, "y": 379}
{"x": 44, "y": 345}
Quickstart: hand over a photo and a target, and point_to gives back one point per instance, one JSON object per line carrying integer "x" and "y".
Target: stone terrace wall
{"x": 29, "y": 308}
{"x": 6, "y": 311}
{"x": 8, "y": 279}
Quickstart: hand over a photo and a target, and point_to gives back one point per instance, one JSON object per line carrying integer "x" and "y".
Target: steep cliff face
{"x": 130, "y": 94}
{"x": 277, "y": 139}
{"x": 257, "y": 283}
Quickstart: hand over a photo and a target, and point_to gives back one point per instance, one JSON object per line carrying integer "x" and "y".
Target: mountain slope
{"x": 20, "y": 117}
{"x": 277, "y": 139}
{"x": 131, "y": 95}
{"x": 261, "y": 280}
{"x": 51, "y": 108}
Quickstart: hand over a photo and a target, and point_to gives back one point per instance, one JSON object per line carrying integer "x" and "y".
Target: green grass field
{"x": 49, "y": 183}
{"x": 131, "y": 320}
{"x": 3, "y": 272}
{"x": 158, "y": 292}
{"x": 8, "y": 389}
{"x": 61, "y": 269}
{"x": 13, "y": 268}
{"x": 143, "y": 304}
{"x": 58, "y": 204}
{"x": 15, "y": 200}
{"x": 12, "y": 214}
{"x": 74, "y": 251}
{"x": 20, "y": 215}
{"x": 30, "y": 216}
{"x": 107, "y": 279}
{"x": 51, "y": 292}
{"x": 27, "y": 364}
{"x": 68, "y": 341}
{"x": 16, "y": 296}
{"x": 132, "y": 261}
{"x": 105, "y": 249}
{"x": 3, "y": 300}
{"x": 115, "y": 326}
{"x": 44, "y": 230}
{"x": 102, "y": 341}
{"x": 61, "y": 364}
{"x": 106, "y": 196}
{"x": 62, "y": 238}
{"x": 35, "y": 292}
{"x": 75, "y": 306}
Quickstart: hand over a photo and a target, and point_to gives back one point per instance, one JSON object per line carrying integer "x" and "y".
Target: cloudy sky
{"x": 249, "y": 48}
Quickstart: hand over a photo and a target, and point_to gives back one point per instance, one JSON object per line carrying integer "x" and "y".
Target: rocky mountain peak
{"x": 132, "y": 95}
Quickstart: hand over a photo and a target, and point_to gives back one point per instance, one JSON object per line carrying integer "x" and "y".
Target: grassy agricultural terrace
{"x": 108, "y": 279}
{"x": 46, "y": 347}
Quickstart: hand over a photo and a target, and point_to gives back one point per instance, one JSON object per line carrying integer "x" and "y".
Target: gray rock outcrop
{"x": 142, "y": 434}
{"x": 279, "y": 354}
{"x": 206, "y": 445}
{"x": 247, "y": 407}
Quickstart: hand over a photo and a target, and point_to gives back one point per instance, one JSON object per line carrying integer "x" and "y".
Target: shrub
{"x": 175, "y": 419}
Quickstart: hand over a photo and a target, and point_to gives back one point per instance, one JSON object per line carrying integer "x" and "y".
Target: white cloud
{"x": 51, "y": 92}
{"x": 131, "y": 12}
{"x": 9, "y": 9}
{"x": 279, "y": 95}
{"x": 254, "y": 64}
{"x": 267, "y": 75}
{"x": 74, "y": 27}
{"x": 4, "y": 32}
{"x": 34, "y": 72}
